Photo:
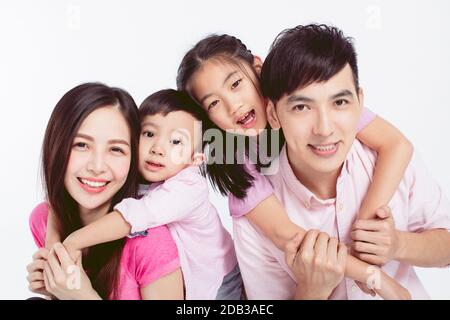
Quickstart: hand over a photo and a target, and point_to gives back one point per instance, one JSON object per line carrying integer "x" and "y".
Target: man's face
{"x": 319, "y": 122}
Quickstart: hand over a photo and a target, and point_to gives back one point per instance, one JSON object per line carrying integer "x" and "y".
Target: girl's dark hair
{"x": 225, "y": 178}
{"x": 304, "y": 55}
{"x": 102, "y": 263}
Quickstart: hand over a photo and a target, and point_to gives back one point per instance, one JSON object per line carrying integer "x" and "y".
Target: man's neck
{"x": 323, "y": 185}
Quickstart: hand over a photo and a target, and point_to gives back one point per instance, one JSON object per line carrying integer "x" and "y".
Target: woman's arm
{"x": 52, "y": 233}
{"x": 394, "y": 153}
{"x": 169, "y": 287}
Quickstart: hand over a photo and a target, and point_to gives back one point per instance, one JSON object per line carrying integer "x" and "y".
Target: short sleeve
{"x": 260, "y": 190}
{"x": 367, "y": 116}
{"x": 38, "y": 223}
{"x": 156, "y": 256}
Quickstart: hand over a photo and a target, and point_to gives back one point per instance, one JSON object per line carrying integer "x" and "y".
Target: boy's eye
{"x": 147, "y": 134}
{"x": 176, "y": 141}
{"x": 213, "y": 104}
{"x": 236, "y": 83}
{"x": 341, "y": 102}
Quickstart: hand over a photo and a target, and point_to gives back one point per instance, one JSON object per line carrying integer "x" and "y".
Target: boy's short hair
{"x": 169, "y": 100}
{"x": 303, "y": 55}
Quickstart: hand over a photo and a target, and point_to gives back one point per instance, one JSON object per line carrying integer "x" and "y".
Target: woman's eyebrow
{"x": 118, "y": 141}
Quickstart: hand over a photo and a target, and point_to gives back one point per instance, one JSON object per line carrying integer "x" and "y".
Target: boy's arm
{"x": 108, "y": 228}
{"x": 394, "y": 154}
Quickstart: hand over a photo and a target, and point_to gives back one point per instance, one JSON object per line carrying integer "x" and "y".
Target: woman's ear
{"x": 272, "y": 116}
{"x": 198, "y": 158}
{"x": 257, "y": 64}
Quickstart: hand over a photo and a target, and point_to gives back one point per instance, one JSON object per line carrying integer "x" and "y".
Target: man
{"x": 311, "y": 80}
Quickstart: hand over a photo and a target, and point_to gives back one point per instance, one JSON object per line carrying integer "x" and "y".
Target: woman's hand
{"x": 35, "y": 270}
{"x": 318, "y": 263}
{"x": 66, "y": 279}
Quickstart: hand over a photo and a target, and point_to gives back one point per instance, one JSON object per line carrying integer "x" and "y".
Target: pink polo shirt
{"x": 418, "y": 204}
{"x": 205, "y": 247}
{"x": 144, "y": 259}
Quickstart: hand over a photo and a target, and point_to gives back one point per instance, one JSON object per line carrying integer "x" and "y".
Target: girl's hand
{"x": 35, "y": 270}
{"x": 65, "y": 278}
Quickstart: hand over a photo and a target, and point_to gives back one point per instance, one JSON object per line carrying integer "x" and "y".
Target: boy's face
{"x": 319, "y": 122}
{"x": 166, "y": 145}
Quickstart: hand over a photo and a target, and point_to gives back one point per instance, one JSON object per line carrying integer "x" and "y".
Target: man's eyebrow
{"x": 224, "y": 81}
{"x": 343, "y": 93}
{"x": 299, "y": 98}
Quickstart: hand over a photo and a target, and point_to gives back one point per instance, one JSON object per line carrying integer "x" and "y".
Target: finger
{"x": 383, "y": 212}
{"x": 36, "y": 265}
{"x": 321, "y": 247}
{"x": 54, "y": 265}
{"x": 332, "y": 251}
{"x": 63, "y": 256}
{"x": 35, "y": 276}
{"x": 37, "y": 285}
{"x": 342, "y": 255}
{"x": 307, "y": 245}
{"x": 368, "y": 225}
{"x": 48, "y": 277}
{"x": 366, "y": 236}
{"x": 291, "y": 250}
{"x": 365, "y": 247}
{"x": 369, "y": 258}
{"x": 41, "y": 254}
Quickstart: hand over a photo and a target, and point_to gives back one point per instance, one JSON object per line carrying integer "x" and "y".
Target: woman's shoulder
{"x": 38, "y": 223}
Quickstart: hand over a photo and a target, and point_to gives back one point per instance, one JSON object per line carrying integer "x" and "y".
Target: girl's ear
{"x": 198, "y": 158}
{"x": 272, "y": 116}
{"x": 257, "y": 64}
{"x": 361, "y": 97}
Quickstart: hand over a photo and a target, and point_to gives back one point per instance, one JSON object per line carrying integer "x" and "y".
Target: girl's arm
{"x": 271, "y": 218}
{"x": 394, "y": 153}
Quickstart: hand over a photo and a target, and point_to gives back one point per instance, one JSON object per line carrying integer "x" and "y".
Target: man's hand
{"x": 376, "y": 241}
{"x": 318, "y": 263}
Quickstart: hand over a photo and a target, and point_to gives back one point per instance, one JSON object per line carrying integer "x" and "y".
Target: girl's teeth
{"x": 93, "y": 183}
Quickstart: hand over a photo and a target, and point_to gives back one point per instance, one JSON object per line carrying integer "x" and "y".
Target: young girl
{"x": 178, "y": 197}
{"x": 90, "y": 164}
{"x": 222, "y": 75}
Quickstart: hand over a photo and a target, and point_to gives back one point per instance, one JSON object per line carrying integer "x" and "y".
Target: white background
{"x": 48, "y": 47}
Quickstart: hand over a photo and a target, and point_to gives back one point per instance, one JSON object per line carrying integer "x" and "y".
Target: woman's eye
{"x": 213, "y": 104}
{"x": 341, "y": 102}
{"x": 80, "y": 145}
{"x": 117, "y": 150}
{"x": 236, "y": 83}
{"x": 147, "y": 134}
{"x": 300, "y": 107}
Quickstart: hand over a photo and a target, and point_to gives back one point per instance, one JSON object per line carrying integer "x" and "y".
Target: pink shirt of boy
{"x": 418, "y": 205}
{"x": 144, "y": 259}
{"x": 205, "y": 247}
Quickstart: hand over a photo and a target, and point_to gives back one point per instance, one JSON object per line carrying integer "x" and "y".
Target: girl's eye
{"x": 117, "y": 150}
{"x": 341, "y": 102}
{"x": 147, "y": 134}
{"x": 176, "y": 141}
{"x": 300, "y": 107}
{"x": 236, "y": 83}
{"x": 213, "y": 104}
{"x": 80, "y": 145}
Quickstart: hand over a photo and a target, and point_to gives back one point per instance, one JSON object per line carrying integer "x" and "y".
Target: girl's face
{"x": 230, "y": 97}
{"x": 100, "y": 159}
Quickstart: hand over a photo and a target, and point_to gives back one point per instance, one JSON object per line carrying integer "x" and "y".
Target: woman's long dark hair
{"x": 225, "y": 177}
{"x": 102, "y": 263}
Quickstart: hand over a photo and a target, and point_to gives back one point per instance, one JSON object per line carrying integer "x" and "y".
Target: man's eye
{"x": 213, "y": 104}
{"x": 117, "y": 150}
{"x": 300, "y": 107}
{"x": 236, "y": 83}
{"x": 341, "y": 102}
{"x": 147, "y": 134}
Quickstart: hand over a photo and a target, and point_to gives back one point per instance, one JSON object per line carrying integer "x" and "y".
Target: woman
{"x": 89, "y": 165}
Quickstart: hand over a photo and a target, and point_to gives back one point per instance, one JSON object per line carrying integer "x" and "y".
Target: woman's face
{"x": 230, "y": 97}
{"x": 100, "y": 159}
